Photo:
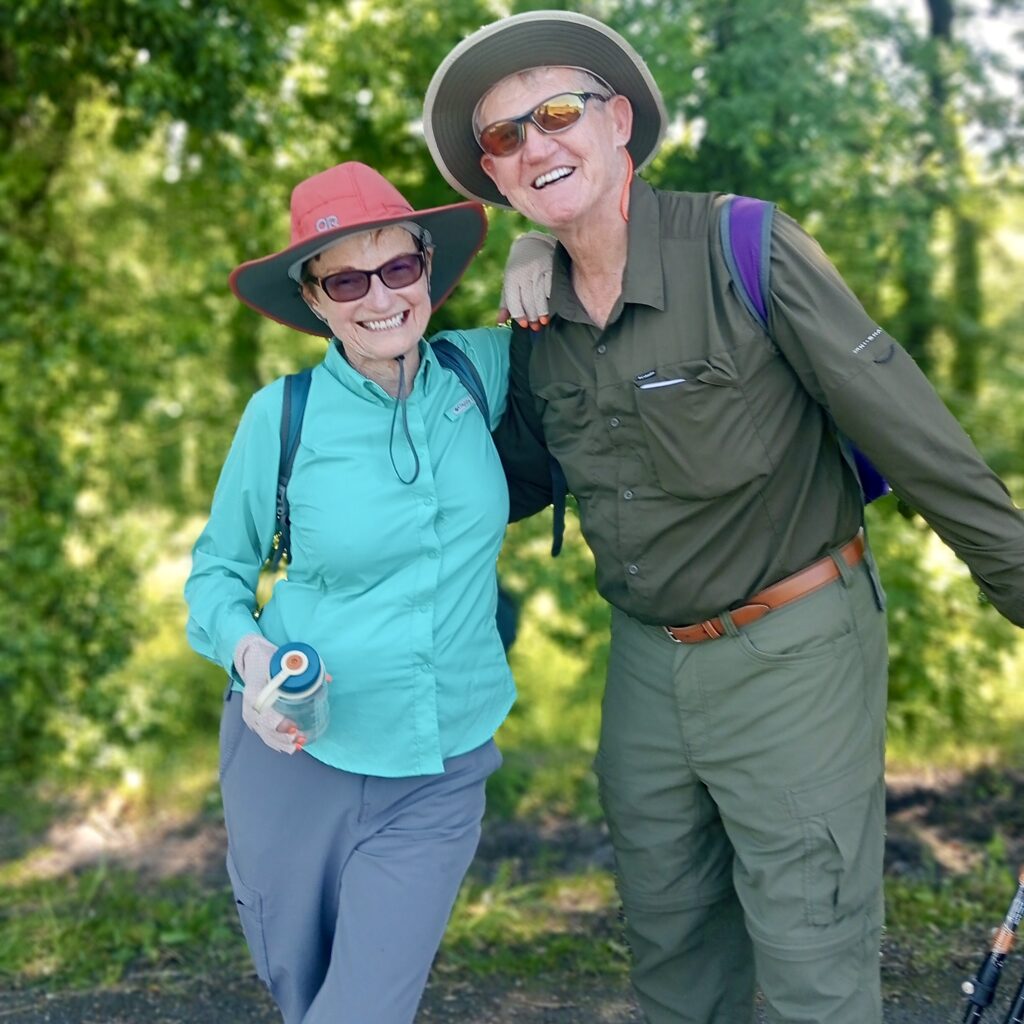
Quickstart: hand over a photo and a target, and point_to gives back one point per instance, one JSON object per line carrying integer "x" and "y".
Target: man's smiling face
{"x": 559, "y": 179}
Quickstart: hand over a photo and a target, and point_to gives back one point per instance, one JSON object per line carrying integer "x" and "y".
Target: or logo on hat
{"x": 326, "y": 223}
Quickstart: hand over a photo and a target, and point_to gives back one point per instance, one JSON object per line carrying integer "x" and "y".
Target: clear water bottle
{"x": 297, "y": 688}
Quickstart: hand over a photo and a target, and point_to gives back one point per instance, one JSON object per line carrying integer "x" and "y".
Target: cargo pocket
{"x": 250, "y": 913}
{"x": 842, "y": 823}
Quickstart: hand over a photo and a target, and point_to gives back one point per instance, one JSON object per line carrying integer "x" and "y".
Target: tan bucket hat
{"x": 340, "y": 201}
{"x": 523, "y": 41}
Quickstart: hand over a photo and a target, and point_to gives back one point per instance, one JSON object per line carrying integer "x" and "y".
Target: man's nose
{"x": 538, "y": 145}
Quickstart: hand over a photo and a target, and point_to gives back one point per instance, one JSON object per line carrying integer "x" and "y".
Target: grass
{"x": 91, "y": 928}
{"x": 559, "y": 925}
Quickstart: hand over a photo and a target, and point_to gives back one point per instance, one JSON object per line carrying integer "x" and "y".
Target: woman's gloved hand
{"x": 527, "y": 284}
{"x": 252, "y": 661}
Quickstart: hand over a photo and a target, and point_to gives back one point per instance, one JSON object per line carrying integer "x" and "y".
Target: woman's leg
{"x": 292, "y": 824}
{"x": 397, "y": 890}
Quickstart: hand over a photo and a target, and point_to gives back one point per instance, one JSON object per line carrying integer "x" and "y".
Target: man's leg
{"x": 792, "y": 751}
{"x": 692, "y": 958}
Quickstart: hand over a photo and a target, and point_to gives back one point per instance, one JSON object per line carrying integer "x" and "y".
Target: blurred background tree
{"x": 147, "y": 147}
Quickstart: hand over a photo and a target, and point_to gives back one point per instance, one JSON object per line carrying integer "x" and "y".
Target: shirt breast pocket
{"x": 700, "y": 434}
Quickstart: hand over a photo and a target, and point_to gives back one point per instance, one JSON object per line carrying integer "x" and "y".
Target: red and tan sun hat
{"x": 343, "y": 200}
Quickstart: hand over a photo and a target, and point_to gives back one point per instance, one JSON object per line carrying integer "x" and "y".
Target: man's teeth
{"x": 385, "y": 325}
{"x": 555, "y": 175}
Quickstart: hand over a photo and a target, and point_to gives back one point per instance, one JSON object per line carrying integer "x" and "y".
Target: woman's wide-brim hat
{"x": 340, "y": 201}
{"x": 524, "y": 41}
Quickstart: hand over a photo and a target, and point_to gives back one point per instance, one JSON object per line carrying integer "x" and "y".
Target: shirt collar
{"x": 342, "y": 370}
{"x": 643, "y": 280}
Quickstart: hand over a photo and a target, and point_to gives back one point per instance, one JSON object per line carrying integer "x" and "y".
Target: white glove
{"x": 527, "y": 284}
{"x": 252, "y": 660}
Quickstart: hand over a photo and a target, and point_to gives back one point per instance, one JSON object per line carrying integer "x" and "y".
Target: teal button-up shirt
{"x": 394, "y": 584}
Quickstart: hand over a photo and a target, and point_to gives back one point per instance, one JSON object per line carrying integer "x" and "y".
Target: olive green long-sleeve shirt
{"x": 702, "y": 452}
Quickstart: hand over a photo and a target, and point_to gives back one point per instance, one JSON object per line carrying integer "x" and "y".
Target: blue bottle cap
{"x": 303, "y": 680}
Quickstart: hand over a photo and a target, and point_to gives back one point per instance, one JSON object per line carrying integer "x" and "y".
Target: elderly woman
{"x": 346, "y": 857}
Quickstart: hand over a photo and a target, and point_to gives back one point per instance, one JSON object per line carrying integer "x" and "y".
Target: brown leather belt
{"x": 817, "y": 575}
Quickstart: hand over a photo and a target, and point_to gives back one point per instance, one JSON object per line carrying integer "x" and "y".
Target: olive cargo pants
{"x": 742, "y": 780}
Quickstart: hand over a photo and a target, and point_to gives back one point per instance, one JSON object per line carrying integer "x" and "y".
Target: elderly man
{"x": 741, "y": 752}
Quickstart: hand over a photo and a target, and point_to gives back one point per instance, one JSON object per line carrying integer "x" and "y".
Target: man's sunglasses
{"x": 556, "y": 114}
{"x": 349, "y": 285}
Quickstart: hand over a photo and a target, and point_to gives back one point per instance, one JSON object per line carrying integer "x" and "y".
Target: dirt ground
{"x": 937, "y": 824}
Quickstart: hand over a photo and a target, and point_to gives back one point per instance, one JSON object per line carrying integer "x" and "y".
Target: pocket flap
{"x": 830, "y": 793}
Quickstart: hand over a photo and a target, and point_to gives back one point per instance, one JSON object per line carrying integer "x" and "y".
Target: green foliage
{"x": 148, "y": 146}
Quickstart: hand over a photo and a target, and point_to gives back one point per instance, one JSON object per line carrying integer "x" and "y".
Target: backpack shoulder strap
{"x": 745, "y": 229}
{"x": 293, "y": 409}
{"x": 559, "y": 485}
{"x": 451, "y": 357}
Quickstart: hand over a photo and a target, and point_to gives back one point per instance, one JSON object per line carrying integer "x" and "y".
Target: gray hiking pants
{"x": 742, "y": 780}
{"x": 344, "y": 883}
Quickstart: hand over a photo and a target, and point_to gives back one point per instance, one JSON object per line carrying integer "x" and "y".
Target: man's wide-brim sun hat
{"x": 524, "y": 41}
{"x": 344, "y": 200}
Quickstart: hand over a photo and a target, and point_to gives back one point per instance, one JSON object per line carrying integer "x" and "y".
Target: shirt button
{"x": 601, "y": 349}
{"x": 628, "y": 495}
{"x": 433, "y": 554}
{"x": 428, "y": 500}
{"x": 633, "y": 570}
{"x": 614, "y": 421}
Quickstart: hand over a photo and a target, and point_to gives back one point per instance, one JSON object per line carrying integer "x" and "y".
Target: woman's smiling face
{"x": 384, "y": 323}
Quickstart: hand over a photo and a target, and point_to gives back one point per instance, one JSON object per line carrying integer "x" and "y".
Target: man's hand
{"x": 527, "y": 284}
{"x": 252, "y": 661}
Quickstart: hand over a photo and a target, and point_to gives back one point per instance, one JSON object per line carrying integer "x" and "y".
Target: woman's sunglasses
{"x": 554, "y": 115}
{"x": 349, "y": 285}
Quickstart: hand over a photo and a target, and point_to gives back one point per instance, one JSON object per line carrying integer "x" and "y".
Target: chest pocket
{"x": 699, "y": 429}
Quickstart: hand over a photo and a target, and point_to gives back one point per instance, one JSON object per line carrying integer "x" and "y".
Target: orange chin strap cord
{"x": 624, "y": 198}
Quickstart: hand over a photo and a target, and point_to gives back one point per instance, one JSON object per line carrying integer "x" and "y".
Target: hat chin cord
{"x": 401, "y": 401}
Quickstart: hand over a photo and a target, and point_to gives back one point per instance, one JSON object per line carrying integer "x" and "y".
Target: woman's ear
{"x": 309, "y": 297}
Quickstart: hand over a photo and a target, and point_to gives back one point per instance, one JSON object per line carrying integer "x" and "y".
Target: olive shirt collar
{"x": 643, "y": 279}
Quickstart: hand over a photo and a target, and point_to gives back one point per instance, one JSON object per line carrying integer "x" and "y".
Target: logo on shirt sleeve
{"x": 873, "y": 336}
{"x": 460, "y": 407}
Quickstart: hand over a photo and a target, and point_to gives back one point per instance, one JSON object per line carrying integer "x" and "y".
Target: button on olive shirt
{"x": 703, "y": 453}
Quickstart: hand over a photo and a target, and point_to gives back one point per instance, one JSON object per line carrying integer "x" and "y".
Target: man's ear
{"x": 621, "y": 111}
{"x": 487, "y": 163}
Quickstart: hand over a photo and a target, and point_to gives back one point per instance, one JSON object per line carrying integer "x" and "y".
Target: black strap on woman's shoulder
{"x": 293, "y": 409}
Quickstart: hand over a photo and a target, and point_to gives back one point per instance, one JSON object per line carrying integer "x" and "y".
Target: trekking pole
{"x": 981, "y": 989}
{"x": 1015, "y": 1014}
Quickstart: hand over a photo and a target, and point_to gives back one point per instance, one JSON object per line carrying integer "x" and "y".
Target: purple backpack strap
{"x": 745, "y": 230}
{"x": 746, "y": 233}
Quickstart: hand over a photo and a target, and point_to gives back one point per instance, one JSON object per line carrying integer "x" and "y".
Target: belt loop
{"x": 845, "y": 572}
{"x": 730, "y": 627}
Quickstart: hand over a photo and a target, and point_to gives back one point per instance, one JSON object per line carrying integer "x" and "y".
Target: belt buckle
{"x": 668, "y": 633}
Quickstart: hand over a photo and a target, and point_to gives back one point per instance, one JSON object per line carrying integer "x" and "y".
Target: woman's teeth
{"x": 385, "y": 325}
